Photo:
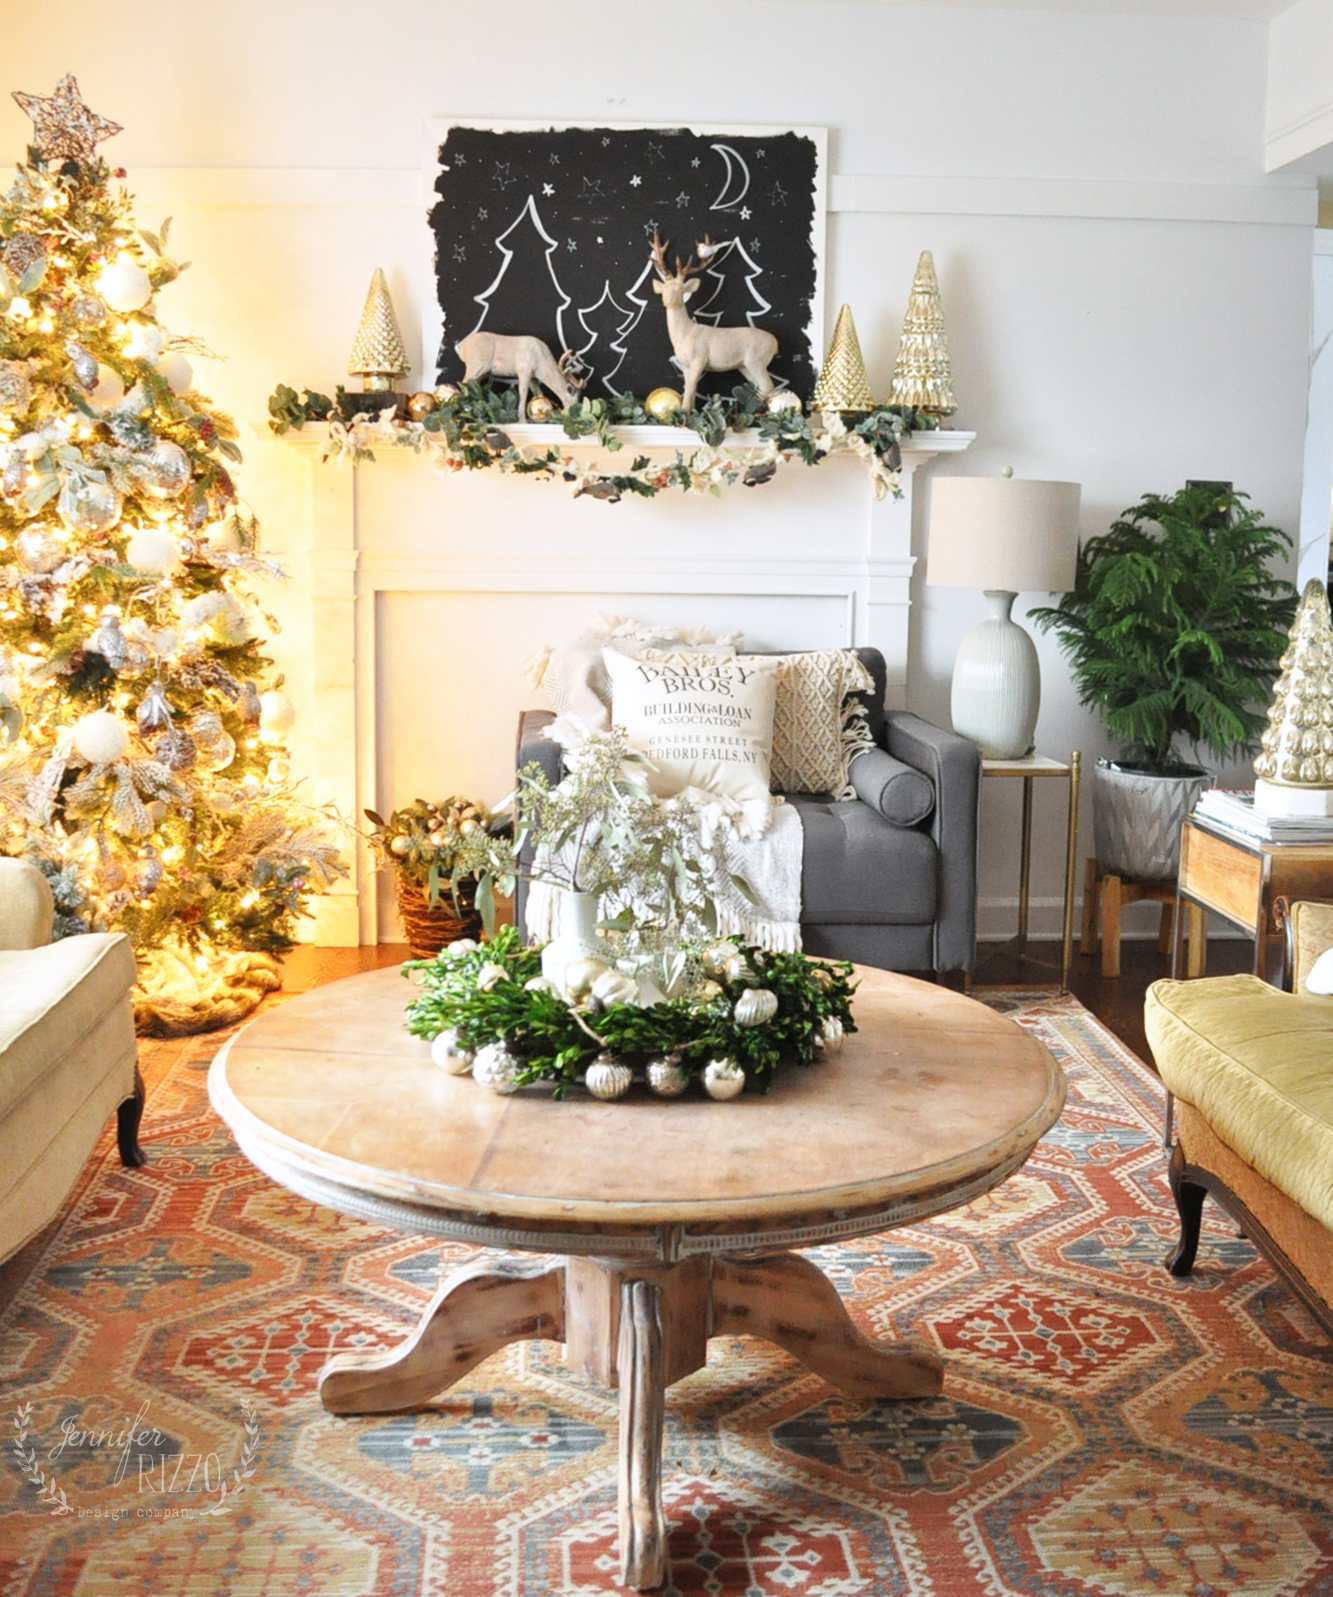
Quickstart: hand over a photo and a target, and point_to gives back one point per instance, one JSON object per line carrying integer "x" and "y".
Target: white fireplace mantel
{"x": 430, "y": 588}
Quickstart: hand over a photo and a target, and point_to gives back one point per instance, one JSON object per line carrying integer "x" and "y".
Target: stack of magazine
{"x": 1232, "y": 810}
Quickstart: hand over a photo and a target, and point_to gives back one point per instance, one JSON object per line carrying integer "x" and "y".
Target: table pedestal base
{"x": 638, "y": 1327}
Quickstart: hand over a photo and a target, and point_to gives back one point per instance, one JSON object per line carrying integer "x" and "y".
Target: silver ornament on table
{"x": 738, "y": 968}
{"x": 449, "y": 1054}
{"x": 248, "y": 705}
{"x": 176, "y": 750}
{"x": 723, "y": 1079}
{"x": 15, "y": 386}
{"x": 538, "y": 984}
{"x": 490, "y": 976}
{"x": 38, "y": 550}
{"x": 755, "y": 1006}
{"x": 108, "y": 640}
{"x": 494, "y": 1066}
{"x": 154, "y": 711}
{"x": 88, "y": 311}
{"x": 88, "y": 506}
{"x": 667, "y": 1077}
{"x": 707, "y": 991}
{"x": 832, "y": 1034}
{"x": 84, "y": 364}
{"x": 715, "y": 957}
{"x": 607, "y": 1078}
{"x": 150, "y": 873}
{"x": 164, "y": 471}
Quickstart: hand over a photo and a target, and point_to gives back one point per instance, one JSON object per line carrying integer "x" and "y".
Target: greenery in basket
{"x": 495, "y": 993}
{"x": 1175, "y": 625}
{"x": 442, "y": 845}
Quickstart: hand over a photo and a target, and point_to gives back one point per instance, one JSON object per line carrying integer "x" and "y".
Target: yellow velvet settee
{"x": 67, "y": 1054}
{"x": 1250, "y": 1119}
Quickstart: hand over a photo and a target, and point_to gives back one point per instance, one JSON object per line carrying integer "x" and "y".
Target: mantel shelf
{"x": 313, "y": 439}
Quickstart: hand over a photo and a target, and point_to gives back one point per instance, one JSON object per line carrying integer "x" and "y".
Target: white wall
{"x": 1128, "y": 299}
{"x": 1299, "y": 121}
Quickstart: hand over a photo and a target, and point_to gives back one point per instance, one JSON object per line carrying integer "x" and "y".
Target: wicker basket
{"x": 428, "y": 930}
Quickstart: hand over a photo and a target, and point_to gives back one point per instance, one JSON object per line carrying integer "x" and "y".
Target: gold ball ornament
{"x": 540, "y": 408}
{"x": 662, "y": 404}
{"x": 420, "y": 405}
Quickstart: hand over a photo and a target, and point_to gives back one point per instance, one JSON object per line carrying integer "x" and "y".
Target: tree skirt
{"x": 179, "y": 994}
{"x": 1103, "y": 1428}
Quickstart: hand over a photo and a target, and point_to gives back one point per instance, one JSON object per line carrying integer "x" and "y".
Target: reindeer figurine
{"x": 522, "y": 356}
{"x": 700, "y": 348}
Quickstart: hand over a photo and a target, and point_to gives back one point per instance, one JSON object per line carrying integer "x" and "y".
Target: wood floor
{"x": 1116, "y": 1001}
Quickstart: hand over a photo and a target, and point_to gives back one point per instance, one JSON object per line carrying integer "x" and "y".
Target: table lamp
{"x": 1006, "y": 535}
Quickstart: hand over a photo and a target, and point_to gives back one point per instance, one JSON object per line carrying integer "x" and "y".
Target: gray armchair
{"x": 889, "y": 878}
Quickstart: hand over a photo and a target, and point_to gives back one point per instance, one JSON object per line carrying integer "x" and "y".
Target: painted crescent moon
{"x": 730, "y": 155}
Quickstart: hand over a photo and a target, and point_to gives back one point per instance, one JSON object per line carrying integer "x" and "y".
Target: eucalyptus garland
{"x": 488, "y": 997}
{"x": 466, "y": 431}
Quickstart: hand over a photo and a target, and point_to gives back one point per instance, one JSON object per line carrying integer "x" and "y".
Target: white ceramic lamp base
{"x": 997, "y": 683}
{"x": 1274, "y": 798}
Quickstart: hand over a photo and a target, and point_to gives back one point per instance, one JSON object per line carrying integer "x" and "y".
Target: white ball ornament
{"x": 177, "y": 373}
{"x": 124, "y": 285}
{"x": 723, "y": 1079}
{"x": 449, "y": 1054}
{"x": 277, "y": 713}
{"x": 108, "y": 390}
{"x": 101, "y": 738}
{"x": 153, "y": 551}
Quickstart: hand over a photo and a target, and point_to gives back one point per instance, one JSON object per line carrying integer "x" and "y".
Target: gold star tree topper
{"x": 64, "y": 129}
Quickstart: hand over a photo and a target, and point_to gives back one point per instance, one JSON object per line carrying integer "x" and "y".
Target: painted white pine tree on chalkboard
{"x": 727, "y": 275}
{"x": 606, "y": 325}
{"x": 525, "y": 295}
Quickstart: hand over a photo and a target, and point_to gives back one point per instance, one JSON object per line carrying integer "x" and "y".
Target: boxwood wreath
{"x": 465, "y": 431}
{"x": 489, "y": 1006}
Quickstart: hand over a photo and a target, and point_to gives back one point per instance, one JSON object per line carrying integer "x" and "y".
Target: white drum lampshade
{"x": 1005, "y": 535}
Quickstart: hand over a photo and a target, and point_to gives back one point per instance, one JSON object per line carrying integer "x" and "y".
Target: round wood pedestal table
{"x": 674, "y": 1219}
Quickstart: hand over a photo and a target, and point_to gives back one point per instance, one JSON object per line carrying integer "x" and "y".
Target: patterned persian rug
{"x": 1104, "y": 1429}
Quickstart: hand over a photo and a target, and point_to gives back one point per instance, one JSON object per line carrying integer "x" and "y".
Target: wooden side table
{"x": 1030, "y": 768}
{"x": 1239, "y": 878}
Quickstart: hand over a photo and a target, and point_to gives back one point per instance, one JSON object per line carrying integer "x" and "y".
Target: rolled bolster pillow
{"x": 901, "y": 793}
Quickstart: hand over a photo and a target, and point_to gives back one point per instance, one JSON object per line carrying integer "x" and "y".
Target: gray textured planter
{"x": 1136, "y": 820}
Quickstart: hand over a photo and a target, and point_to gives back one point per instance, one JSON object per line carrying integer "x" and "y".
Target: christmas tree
{"x": 142, "y": 758}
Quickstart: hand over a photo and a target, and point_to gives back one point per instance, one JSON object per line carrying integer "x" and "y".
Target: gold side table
{"x": 1031, "y": 768}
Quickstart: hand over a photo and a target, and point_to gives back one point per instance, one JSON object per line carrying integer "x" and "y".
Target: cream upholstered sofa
{"x": 1250, "y": 1071}
{"x": 67, "y": 1054}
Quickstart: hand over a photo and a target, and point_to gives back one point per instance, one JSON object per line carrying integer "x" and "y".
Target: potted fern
{"x": 1173, "y": 630}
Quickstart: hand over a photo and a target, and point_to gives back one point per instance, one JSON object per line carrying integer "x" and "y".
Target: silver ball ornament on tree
{"x": 249, "y": 705}
{"x": 87, "y": 312}
{"x": 164, "y": 471}
{"x": 176, "y": 750}
{"x": 723, "y": 1079}
{"x": 15, "y": 386}
{"x": 38, "y": 550}
{"x": 607, "y": 1078}
{"x": 84, "y": 364}
{"x": 88, "y": 506}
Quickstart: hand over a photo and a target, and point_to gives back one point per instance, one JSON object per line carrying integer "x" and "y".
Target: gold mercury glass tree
{"x": 843, "y": 385}
{"x": 922, "y": 376}
{"x": 1297, "y": 745}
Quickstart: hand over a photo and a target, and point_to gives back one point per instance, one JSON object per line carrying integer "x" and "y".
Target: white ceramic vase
{"x": 570, "y": 956}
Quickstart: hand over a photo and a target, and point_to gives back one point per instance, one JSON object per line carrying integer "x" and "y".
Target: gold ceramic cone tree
{"x": 1295, "y": 765}
{"x": 922, "y": 376}
{"x": 378, "y": 355}
{"x": 843, "y": 385}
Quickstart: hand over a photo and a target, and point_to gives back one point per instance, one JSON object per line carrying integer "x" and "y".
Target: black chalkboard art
{"x": 546, "y": 230}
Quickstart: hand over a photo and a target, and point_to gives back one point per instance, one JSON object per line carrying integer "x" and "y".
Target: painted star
{"x": 460, "y": 159}
{"x": 656, "y": 152}
{"x": 695, "y": 161}
{"x": 650, "y": 228}
{"x": 592, "y": 189}
{"x": 548, "y": 188}
{"x": 460, "y": 254}
{"x": 571, "y": 246}
{"x": 778, "y": 194}
{"x": 503, "y": 176}
{"x": 745, "y": 213}
{"x": 63, "y": 127}
{"x": 761, "y": 153}
{"x": 555, "y": 159}
{"x": 754, "y": 246}
{"x": 682, "y": 200}
{"x": 635, "y": 181}
{"x": 605, "y": 141}
{"x": 483, "y": 214}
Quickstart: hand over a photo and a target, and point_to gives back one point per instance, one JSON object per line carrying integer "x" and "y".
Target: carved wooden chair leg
{"x": 787, "y": 1300}
{"x": 641, "y": 1364}
{"x": 1189, "y": 1198}
{"x": 476, "y": 1312}
{"x": 128, "y": 1115}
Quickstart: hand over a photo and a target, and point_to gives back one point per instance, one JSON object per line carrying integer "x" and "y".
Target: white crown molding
{"x": 1302, "y": 136}
{"x": 369, "y": 188}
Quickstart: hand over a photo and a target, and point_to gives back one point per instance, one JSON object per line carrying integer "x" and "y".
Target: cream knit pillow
{"x": 816, "y": 733}
{"x": 705, "y": 723}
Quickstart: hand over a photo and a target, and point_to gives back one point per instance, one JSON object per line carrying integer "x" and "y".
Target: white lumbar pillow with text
{"x": 706, "y": 724}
